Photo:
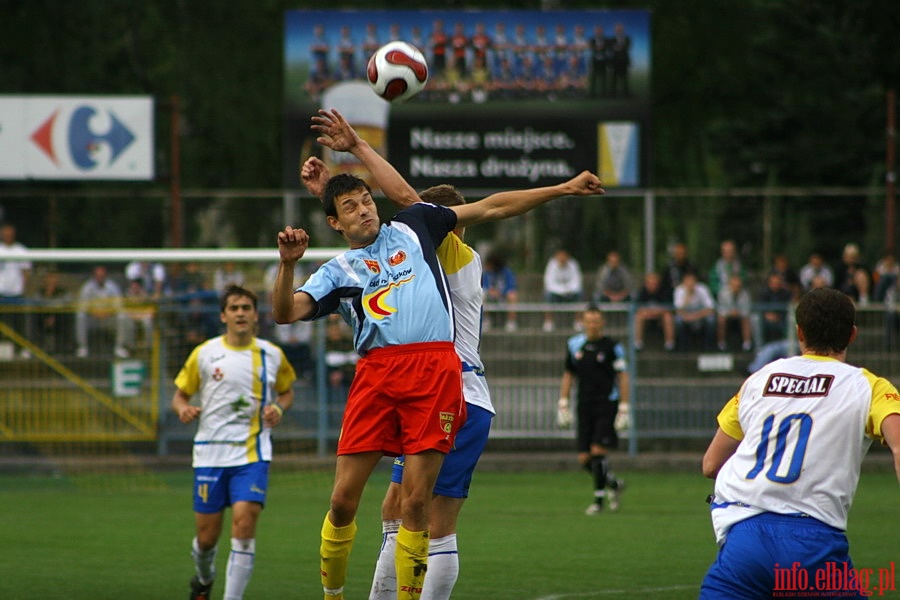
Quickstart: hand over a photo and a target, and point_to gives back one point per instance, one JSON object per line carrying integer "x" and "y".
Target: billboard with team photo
{"x": 514, "y": 98}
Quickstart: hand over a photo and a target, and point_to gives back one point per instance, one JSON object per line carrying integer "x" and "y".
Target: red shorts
{"x": 404, "y": 400}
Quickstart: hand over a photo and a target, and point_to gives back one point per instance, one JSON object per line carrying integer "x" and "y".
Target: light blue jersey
{"x": 392, "y": 291}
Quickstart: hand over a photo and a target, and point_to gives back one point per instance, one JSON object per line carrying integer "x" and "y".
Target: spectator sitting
{"x": 774, "y": 298}
{"x": 227, "y": 274}
{"x": 734, "y": 306}
{"x": 816, "y": 267}
{"x": 851, "y": 277}
{"x": 151, "y": 276}
{"x": 789, "y": 277}
{"x": 562, "y": 282}
{"x": 52, "y": 321}
{"x": 614, "y": 281}
{"x": 654, "y": 303}
{"x": 499, "y": 284}
{"x": 892, "y": 317}
{"x": 100, "y": 307}
{"x": 695, "y": 312}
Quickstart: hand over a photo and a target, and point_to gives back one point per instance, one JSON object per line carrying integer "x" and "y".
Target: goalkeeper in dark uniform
{"x": 598, "y": 363}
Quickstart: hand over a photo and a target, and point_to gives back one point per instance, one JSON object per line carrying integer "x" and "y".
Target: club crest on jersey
{"x": 218, "y": 375}
{"x": 447, "y": 422}
{"x": 373, "y": 265}
{"x": 797, "y": 386}
{"x": 376, "y": 305}
{"x": 398, "y": 258}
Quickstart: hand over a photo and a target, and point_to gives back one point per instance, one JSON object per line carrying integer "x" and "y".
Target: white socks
{"x": 443, "y": 568}
{"x": 204, "y": 562}
{"x": 384, "y": 582}
{"x": 240, "y": 568}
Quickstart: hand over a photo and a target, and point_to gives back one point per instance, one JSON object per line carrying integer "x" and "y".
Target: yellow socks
{"x": 335, "y": 554}
{"x": 411, "y": 560}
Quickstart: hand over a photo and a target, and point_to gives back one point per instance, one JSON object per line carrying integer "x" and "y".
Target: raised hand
{"x": 314, "y": 175}
{"x": 292, "y": 244}
{"x": 335, "y": 132}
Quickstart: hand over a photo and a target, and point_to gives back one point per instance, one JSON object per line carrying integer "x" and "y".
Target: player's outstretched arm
{"x": 287, "y": 306}
{"x": 337, "y": 134}
{"x": 513, "y": 203}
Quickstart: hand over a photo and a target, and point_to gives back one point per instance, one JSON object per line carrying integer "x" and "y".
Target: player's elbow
{"x": 710, "y": 467}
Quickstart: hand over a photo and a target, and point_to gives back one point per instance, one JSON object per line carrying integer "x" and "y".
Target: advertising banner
{"x": 76, "y": 137}
{"x": 514, "y": 98}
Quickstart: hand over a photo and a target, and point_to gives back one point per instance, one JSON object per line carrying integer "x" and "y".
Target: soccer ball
{"x": 397, "y": 71}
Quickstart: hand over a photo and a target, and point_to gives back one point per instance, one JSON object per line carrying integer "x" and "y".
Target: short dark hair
{"x": 342, "y": 183}
{"x": 235, "y": 290}
{"x": 443, "y": 195}
{"x": 827, "y": 317}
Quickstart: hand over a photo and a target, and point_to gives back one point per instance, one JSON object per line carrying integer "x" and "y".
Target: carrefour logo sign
{"x": 63, "y": 137}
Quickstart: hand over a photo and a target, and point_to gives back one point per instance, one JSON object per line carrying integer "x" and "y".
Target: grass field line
{"x": 596, "y": 593}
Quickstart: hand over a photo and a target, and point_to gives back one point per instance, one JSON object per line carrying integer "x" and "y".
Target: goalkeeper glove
{"x": 563, "y": 415}
{"x": 623, "y": 419}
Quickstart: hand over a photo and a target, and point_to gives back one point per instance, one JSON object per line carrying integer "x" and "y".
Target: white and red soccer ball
{"x": 397, "y": 71}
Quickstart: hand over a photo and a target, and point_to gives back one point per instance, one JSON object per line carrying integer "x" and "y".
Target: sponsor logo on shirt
{"x": 373, "y": 265}
{"x": 376, "y": 303}
{"x": 398, "y": 258}
{"x": 795, "y": 386}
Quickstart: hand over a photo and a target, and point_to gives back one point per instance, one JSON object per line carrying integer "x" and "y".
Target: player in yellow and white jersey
{"x": 244, "y": 386}
{"x": 787, "y": 456}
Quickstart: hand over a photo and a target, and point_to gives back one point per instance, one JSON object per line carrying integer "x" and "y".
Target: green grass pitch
{"x": 522, "y": 536}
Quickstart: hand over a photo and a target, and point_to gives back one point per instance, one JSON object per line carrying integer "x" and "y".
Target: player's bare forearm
{"x": 182, "y": 407}
{"x": 890, "y": 431}
{"x": 314, "y": 174}
{"x": 720, "y": 450}
{"x": 339, "y": 135}
{"x": 504, "y": 205}
{"x": 287, "y": 306}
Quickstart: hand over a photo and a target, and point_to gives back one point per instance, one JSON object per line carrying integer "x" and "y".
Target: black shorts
{"x": 597, "y": 424}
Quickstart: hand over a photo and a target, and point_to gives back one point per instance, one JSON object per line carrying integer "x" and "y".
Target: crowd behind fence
{"x": 51, "y": 393}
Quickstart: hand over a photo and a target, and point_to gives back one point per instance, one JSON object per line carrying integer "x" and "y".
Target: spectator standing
{"x": 816, "y": 269}
{"x": 851, "y": 276}
{"x": 654, "y": 304}
{"x": 14, "y": 276}
{"x": 734, "y": 306}
{"x": 728, "y": 264}
{"x": 499, "y": 284}
{"x": 100, "y": 307}
{"x": 562, "y": 282}
{"x": 614, "y": 281}
{"x": 695, "y": 312}
{"x": 677, "y": 266}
